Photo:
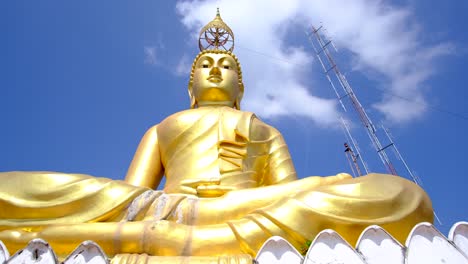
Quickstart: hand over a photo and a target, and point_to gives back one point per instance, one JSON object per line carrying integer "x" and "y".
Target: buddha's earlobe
{"x": 193, "y": 101}
{"x": 237, "y": 104}
{"x": 239, "y": 96}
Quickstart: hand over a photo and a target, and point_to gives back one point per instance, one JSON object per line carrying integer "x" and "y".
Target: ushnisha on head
{"x": 216, "y": 80}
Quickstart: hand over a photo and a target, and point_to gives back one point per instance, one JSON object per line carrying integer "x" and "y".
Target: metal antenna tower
{"x": 320, "y": 42}
{"x": 352, "y": 159}
{"x": 353, "y": 151}
{"x": 330, "y": 67}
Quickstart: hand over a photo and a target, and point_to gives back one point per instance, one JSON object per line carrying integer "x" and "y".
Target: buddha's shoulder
{"x": 246, "y": 121}
{"x": 261, "y": 130}
{"x": 185, "y": 114}
{"x": 191, "y": 115}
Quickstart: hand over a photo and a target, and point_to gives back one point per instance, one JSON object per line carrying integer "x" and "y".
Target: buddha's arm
{"x": 279, "y": 167}
{"x": 146, "y": 168}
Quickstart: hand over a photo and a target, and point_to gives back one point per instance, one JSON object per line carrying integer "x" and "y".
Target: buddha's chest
{"x": 198, "y": 126}
{"x": 202, "y": 141}
{"x": 188, "y": 133}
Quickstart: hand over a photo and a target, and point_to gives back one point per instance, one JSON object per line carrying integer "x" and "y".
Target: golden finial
{"x": 216, "y": 35}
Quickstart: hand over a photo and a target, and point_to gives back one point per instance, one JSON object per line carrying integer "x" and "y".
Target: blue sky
{"x": 82, "y": 81}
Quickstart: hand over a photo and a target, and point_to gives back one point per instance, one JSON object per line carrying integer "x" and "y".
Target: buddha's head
{"x": 216, "y": 80}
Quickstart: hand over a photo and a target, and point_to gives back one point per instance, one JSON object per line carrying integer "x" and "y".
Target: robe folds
{"x": 267, "y": 199}
{"x": 296, "y": 211}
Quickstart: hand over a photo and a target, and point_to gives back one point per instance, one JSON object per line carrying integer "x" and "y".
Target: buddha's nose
{"x": 215, "y": 71}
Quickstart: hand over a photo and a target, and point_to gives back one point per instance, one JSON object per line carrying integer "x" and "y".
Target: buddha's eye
{"x": 226, "y": 67}
{"x": 204, "y": 64}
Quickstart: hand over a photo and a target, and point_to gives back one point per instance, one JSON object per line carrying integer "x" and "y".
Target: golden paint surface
{"x": 230, "y": 185}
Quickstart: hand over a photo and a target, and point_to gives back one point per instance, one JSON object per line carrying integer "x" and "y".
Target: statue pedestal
{"x": 144, "y": 258}
{"x": 425, "y": 244}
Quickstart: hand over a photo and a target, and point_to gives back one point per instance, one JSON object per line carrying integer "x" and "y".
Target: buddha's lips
{"x": 215, "y": 79}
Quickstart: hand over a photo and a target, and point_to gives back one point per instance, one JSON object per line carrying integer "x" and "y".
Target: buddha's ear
{"x": 239, "y": 96}
{"x": 193, "y": 101}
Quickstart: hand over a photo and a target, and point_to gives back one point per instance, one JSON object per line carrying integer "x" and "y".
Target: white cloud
{"x": 184, "y": 66}
{"x": 154, "y": 51}
{"x": 382, "y": 38}
{"x": 150, "y": 55}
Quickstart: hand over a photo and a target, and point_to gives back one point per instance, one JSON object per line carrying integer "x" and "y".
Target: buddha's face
{"x": 216, "y": 80}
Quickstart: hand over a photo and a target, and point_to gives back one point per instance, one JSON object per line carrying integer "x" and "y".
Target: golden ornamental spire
{"x": 216, "y": 35}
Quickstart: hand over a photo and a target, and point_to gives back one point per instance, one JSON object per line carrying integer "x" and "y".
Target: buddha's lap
{"x": 297, "y": 210}
{"x": 326, "y": 194}
{"x": 368, "y": 200}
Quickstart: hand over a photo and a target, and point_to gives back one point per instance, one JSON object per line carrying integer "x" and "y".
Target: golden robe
{"x": 240, "y": 152}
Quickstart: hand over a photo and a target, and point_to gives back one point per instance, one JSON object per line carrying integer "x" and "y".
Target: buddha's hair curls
{"x": 193, "y": 102}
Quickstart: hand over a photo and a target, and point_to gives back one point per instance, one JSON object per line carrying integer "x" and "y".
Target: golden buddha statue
{"x": 230, "y": 185}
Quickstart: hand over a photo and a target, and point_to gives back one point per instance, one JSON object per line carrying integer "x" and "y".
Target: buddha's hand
{"x": 205, "y": 187}
{"x": 213, "y": 190}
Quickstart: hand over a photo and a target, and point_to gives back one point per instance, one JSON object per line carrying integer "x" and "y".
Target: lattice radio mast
{"x": 321, "y": 44}
{"x": 353, "y": 153}
{"x": 329, "y": 66}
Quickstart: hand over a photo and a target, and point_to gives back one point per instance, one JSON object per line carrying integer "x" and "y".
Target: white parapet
{"x": 379, "y": 247}
{"x": 87, "y": 252}
{"x": 424, "y": 245}
{"x": 4, "y": 254}
{"x": 277, "y": 250}
{"x": 330, "y": 247}
{"x": 36, "y": 252}
{"x": 459, "y": 235}
{"x": 427, "y": 245}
